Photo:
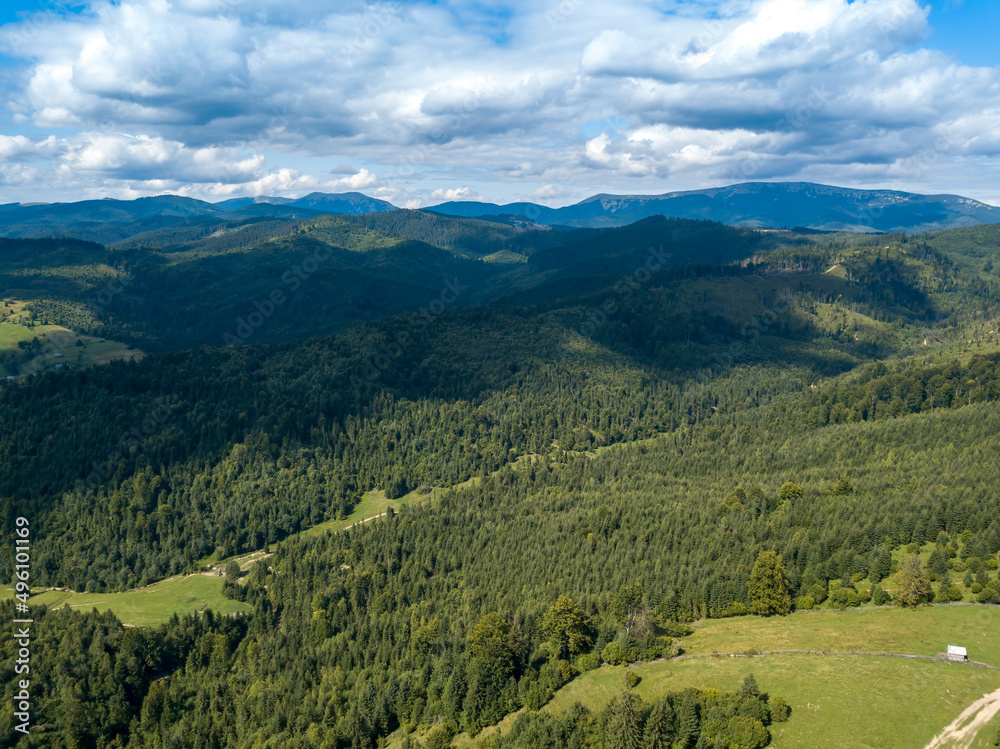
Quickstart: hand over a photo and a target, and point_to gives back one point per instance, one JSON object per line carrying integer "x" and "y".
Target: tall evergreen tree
{"x": 659, "y": 733}
{"x": 624, "y": 727}
{"x": 687, "y": 720}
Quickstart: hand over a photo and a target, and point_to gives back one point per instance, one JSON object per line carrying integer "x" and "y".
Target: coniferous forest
{"x": 605, "y": 438}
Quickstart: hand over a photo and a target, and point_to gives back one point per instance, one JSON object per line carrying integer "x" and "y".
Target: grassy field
{"x": 923, "y": 631}
{"x": 55, "y": 339}
{"x": 837, "y": 701}
{"x": 373, "y": 504}
{"x": 149, "y": 606}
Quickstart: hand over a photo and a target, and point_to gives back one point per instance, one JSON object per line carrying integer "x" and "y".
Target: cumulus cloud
{"x": 455, "y": 193}
{"x": 430, "y": 95}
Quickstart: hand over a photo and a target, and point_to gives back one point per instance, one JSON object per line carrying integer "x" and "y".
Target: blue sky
{"x": 549, "y": 100}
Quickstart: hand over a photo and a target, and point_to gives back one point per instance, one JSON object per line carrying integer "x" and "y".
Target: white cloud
{"x": 456, "y": 193}
{"x": 433, "y": 95}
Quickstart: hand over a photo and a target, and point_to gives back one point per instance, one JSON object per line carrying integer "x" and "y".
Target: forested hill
{"x": 637, "y": 434}
{"x": 236, "y": 447}
{"x": 262, "y": 281}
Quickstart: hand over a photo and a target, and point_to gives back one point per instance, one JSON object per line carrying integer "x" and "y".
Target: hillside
{"x": 589, "y": 436}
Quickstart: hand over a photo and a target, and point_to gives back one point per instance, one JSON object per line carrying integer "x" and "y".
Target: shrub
{"x": 742, "y": 732}
{"x": 975, "y": 588}
{"x": 440, "y": 737}
{"x": 818, "y": 593}
{"x": 631, "y": 678}
{"x": 955, "y": 593}
{"x": 865, "y": 595}
{"x": 879, "y": 596}
{"x": 804, "y": 603}
{"x": 780, "y": 711}
{"x": 613, "y": 653}
{"x": 845, "y": 597}
{"x": 588, "y": 662}
{"x": 989, "y": 595}
{"x": 676, "y": 629}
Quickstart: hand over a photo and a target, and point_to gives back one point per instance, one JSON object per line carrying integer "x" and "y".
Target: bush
{"x": 804, "y": 603}
{"x": 989, "y": 595}
{"x": 676, "y": 629}
{"x": 440, "y": 737}
{"x": 742, "y": 732}
{"x": 780, "y": 711}
{"x": 976, "y": 588}
{"x": 879, "y": 596}
{"x": 865, "y": 595}
{"x": 588, "y": 662}
{"x": 754, "y": 708}
{"x": 843, "y": 598}
{"x": 631, "y": 678}
{"x": 955, "y": 592}
{"x": 818, "y": 593}
{"x": 613, "y": 653}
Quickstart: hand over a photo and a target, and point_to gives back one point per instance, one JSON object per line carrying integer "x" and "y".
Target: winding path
{"x": 962, "y": 732}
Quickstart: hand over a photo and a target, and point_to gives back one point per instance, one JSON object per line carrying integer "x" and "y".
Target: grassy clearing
{"x": 57, "y": 345}
{"x": 837, "y": 701}
{"x": 373, "y": 504}
{"x": 924, "y": 631}
{"x": 149, "y": 606}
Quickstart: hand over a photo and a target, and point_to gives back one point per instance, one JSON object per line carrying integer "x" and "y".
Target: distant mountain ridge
{"x": 759, "y": 205}
{"x": 752, "y": 204}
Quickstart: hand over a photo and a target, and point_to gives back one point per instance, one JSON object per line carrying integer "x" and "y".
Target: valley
{"x": 417, "y": 446}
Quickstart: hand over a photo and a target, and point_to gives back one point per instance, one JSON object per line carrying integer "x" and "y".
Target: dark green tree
{"x": 624, "y": 727}
{"x": 659, "y": 733}
{"x": 687, "y": 720}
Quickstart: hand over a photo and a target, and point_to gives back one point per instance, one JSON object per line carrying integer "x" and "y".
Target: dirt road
{"x": 962, "y": 732}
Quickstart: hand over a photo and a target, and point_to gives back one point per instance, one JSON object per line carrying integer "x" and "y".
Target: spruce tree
{"x": 749, "y": 688}
{"x": 687, "y": 720}
{"x": 624, "y": 729}
{"x": 659, "y": 732}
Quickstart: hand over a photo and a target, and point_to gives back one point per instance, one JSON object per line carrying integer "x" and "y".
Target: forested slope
{"x": 829, "y": 400}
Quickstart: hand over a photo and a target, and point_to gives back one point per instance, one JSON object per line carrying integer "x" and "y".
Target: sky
{"x": 422, "y": 101}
